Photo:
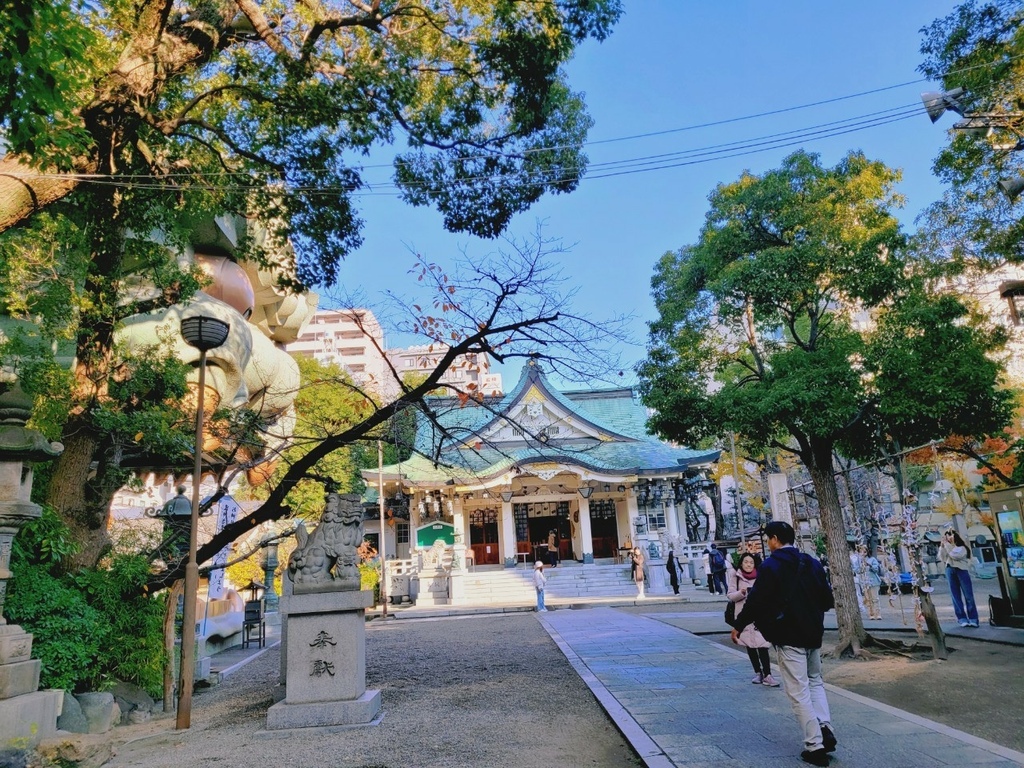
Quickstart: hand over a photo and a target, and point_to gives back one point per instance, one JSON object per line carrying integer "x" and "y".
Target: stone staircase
{"x": 567, "y": 581}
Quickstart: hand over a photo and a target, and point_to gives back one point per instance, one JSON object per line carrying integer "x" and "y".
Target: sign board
{"x": 427, "y": 534}
{"x": 778, "y": 488}
{"x": 227, "y": 513}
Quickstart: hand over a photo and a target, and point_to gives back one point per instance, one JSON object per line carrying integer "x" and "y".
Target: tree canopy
{"x": 130, "y": 124}
{"x": 270, "y": 107}
{"x": 801, "y": 321}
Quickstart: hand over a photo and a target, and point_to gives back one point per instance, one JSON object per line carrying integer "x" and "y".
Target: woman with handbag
{"x": 956, "y": 556}
{"x": 740, "y": 583}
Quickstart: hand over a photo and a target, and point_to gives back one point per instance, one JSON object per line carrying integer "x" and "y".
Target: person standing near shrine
{"x": 673, "y": 571}
{"x": 719, "y": 566}
{"x": 636, "y": 558}
{"x": 553, "y": 548}
{"x": 539, "y": 582}
{"x": 956, "y": 556}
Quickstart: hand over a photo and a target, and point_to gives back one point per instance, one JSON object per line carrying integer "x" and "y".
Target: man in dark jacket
{"x": 718, "y": 569}
{"x": 787, "y": 604}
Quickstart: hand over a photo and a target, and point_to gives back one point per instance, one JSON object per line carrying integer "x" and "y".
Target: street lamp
{"x": 203, "y": 333}
{"x": 984, "y": 125}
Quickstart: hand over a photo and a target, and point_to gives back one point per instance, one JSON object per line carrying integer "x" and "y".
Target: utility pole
{"x": 383, "y": 561}
{"x": 737, "y": 502}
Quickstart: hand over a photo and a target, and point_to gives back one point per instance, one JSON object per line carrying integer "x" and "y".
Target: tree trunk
{"x": 68, "y": 495}
{"x": 931, "y": 619}
{"x": 852, "y": 634}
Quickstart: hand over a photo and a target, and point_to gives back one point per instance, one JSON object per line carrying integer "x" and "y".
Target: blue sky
{"x": 669, "y": 65}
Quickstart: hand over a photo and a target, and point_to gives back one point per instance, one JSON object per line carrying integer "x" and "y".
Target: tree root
{"x": 858, "y": 649}
{"x": 851, "y": 644}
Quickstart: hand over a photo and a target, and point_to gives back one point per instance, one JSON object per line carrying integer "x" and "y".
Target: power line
{"x": 607, "y": 169}
{"x": 600, "y": 170}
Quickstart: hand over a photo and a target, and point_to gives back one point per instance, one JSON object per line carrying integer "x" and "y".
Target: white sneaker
{"x": 758, "y": 679}
{"x": 770, "y": 681}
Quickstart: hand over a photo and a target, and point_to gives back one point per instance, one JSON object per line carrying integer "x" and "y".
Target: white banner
{"x": 778, "y": 492}
{"x": 227, "y": 511}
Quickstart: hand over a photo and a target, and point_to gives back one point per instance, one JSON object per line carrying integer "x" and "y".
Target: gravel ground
{"x": 457, "y": 692}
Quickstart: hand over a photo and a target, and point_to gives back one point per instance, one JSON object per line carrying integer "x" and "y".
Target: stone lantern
{"x": 25, "y": 712}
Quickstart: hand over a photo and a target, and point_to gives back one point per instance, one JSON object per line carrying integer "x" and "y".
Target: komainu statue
{"x": 327, "y": 560}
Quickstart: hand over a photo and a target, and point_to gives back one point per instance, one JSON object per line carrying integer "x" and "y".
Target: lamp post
{"x": 203, "y": 333}
{"x": 380, "y": 553}
{"x": 270, "y": 598}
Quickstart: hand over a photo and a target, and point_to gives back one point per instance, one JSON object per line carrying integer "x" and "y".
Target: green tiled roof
{"x": 614, "y": 412}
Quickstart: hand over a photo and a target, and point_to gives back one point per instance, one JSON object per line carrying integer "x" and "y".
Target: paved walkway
{"x": 704, "y": 711}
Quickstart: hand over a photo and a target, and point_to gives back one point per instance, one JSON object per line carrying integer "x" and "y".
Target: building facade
{"x": 510, "y": 479}
{"x": 354, "y": 340}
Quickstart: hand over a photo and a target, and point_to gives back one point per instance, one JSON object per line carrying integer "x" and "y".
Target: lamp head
{"x": 1012, "y": 187}
{"x": 937, "y": 102}
{"x": 204, "y": 332}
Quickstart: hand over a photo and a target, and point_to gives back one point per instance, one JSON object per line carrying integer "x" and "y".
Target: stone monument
{"x": 325, "y": 652}
{"x": 26, "y": 714}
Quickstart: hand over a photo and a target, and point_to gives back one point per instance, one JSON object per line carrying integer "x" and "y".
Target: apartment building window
{"x": 401, "y": 533}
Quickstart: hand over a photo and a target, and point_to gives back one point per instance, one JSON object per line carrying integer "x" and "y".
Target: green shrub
{"x": 134, "y": 647}
{"x": 369, "y": 578}
{"x": 67, "y": 632}
{"x": 90, "y": 627}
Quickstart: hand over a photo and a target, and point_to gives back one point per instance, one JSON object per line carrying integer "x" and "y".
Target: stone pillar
{"x": 586, "y": 533}
{"x": 672, "y": 518}
{"x": 326, "y": 663}
{"x": 632, "y": 510}
{"x": 459, "y": 548}
{"x": 27, "y": 715}
{"x": 508, "y": 535}
{"x": 324, "y": 650}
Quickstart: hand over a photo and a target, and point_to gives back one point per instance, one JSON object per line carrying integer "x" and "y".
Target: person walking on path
{"x": 718, "y": 569}
{"x": 956, "y": 556}
{"x": 636, "y": 558}
{"x": 857, "y": 566}
{"x": 741, "y": 582}
{"x": 539, "y": 582}
{"x": 673, "y": 571}
{"x": 871, "y": 581}
{"x": 787, "y": 604}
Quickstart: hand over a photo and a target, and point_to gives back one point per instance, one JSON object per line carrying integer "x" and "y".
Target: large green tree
{"x": 126, "y": 117}
{"x": 801, "y": 321}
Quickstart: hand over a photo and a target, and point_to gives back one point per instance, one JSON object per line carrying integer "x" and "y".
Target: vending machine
{"x": 1007, "y": 506}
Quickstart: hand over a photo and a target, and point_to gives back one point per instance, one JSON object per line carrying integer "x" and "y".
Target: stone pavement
{"x": 705, "y": 712}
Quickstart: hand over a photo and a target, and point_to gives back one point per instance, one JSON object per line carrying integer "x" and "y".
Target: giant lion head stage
{"x": 250, "y": 369}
